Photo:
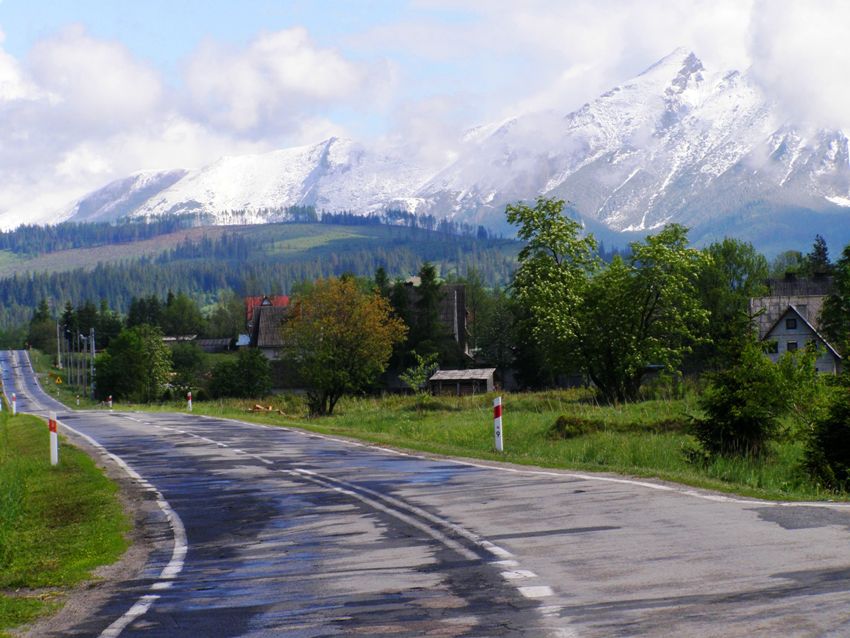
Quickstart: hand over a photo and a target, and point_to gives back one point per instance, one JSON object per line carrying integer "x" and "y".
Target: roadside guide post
{"x": 497, "y": 424}
{"x": 14, "y": 404}
{"x": 189, "y": 401}
{"x": 109, "y": 402}
{"x": 54, "y": 439}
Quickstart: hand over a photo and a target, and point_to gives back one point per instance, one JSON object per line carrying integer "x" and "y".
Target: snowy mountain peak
{"x": 678, "y": 142}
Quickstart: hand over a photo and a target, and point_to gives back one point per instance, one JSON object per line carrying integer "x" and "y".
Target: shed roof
{"x": 472, "y": 374}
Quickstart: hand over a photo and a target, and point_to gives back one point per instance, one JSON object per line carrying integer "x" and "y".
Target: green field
{"x": 56, "y": 524}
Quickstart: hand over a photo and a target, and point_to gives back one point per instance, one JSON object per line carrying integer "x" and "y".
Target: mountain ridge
{"x": 676, "y": 143}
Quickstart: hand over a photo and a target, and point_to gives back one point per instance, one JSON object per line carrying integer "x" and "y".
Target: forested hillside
{"x": 266, "y": 259}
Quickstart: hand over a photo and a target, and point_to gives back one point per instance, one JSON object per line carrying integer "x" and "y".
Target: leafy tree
{"x": 181, "y": 316}
{"x": 246, "y": 376}
{"x": 641, "y": 313}
{"x": 416, "y": 377}
{"x": 552, "y": 276}
{"x": 341, "y": 339}
{"x": 789, "y": 261}
{"x": 188, "y": 362}
{"x": 136, "y": 367}
{"x": 733, "y": 274}
{"x": 42, "y": 329}
{"x": 496, "y": 331}
{"x": 835, "y": 316}
{"x": 828, "y": 449}
{"x": 427, "y": 332}
{"x": 228, "y": 317}
{"x": 743, "y": 404}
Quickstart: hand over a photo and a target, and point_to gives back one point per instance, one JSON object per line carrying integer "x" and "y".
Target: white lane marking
{"x": 178, "y": 553}
{"x": 536, "y": 591}
{"x": 518, "y": 574}
{"x": 395, "y": 513}
{"x": 140, "y": 608}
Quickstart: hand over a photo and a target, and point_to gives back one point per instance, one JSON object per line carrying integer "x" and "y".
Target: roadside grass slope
{"x": 57, "y": 524}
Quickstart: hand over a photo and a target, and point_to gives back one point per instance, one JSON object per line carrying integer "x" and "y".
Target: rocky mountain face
{"x": 678, "y": 143}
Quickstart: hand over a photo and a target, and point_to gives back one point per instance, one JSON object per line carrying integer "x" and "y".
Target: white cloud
{"x": 94, "y": 83}
{"x": 800, "y": 52}
{"x": 267, "y": 86}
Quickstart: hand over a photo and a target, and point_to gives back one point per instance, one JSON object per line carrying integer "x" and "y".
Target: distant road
{"x": 275, "y": 532}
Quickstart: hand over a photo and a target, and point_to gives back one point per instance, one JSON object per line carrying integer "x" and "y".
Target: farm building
{"x": 462, "y": 382}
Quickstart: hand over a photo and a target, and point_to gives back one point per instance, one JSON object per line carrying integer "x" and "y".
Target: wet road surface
{"x": 269, "y": 531}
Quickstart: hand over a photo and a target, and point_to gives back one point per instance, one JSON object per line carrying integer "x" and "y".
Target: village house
{"x": 264, "y": 323}
{"x": 788, "y": 319}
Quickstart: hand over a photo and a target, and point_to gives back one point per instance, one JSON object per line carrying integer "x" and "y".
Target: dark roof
{"x": 792, "y": 285}
{"x": 214, "y": 345}
{"x": 280, "y": 301}
{"x": 793, "y": 310}
{"x": 265, "y": 326}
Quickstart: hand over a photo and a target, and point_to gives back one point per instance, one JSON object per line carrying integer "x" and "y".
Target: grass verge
{"x": 56, "y": 523}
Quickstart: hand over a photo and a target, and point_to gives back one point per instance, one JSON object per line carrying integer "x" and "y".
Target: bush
{"x": 743, "y": 405}
{"x": 248, "y": 376}
{"x": 828, "y": 450}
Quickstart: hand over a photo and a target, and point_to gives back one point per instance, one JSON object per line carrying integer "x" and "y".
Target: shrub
{"x": 742, "y": 405}
{"x": 247, "y": 376}
{"x": 828, "y": 451}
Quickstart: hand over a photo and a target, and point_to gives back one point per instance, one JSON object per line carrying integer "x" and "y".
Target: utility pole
{"x": 58, "y": 348}
{"x": 91, "y": 344}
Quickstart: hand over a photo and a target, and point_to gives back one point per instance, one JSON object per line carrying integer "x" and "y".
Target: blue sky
{"x": 94, "y": 90}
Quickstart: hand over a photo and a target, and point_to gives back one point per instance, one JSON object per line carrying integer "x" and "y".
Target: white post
{"x": 109, "y": 402}
{"x": 54, "y": 439}
{"x": 14, "y": 404}
{"x": 497, "y": 424}
{"x": 189, "y": 401}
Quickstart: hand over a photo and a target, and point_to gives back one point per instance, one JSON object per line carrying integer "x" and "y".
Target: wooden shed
{"x": 461, "y": 382}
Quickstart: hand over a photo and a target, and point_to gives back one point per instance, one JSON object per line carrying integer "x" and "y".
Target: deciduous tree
{"x": 341, "y": 339}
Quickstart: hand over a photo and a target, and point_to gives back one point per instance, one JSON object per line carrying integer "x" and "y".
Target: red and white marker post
{"x": 497, "y": 424}
{"x": 54, "y": 439}
{"x": 14, "y": 404}
{"x": 109, "y": 402}
{"x": 189, "y": 401}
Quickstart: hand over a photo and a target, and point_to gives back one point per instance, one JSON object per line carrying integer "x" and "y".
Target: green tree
{"x": 188, "y": 362}
{"x": 228, "y": 316}
{"x": 42, "y": 329}
{"x": 789, "y": 261}
{"x": 734, "y": 273}
{"x": 248, "y": 375}
{"x": 416, "y": 376}
{"x": 817, "y": 261}
{"x": 136, "y": 367}
{"x": 828, "y": 448}
{"x": 835, "y": 316}
{"x": 552, "y": 276}
{"x": 641, "y": 313}
{"x": 341, "y": 339}
{"x": 181, "y": 316}
{"x": 743, "y": 405}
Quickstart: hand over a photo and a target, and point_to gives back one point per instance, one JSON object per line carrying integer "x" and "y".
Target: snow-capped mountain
{"x": 676, "y": 143}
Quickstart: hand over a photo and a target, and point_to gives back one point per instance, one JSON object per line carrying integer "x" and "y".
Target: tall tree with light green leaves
{"x": 641, "y": 313}
{"x": 552, "y": 277}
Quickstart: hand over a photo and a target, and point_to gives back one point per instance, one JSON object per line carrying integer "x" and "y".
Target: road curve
{"x": 273, "y": 531}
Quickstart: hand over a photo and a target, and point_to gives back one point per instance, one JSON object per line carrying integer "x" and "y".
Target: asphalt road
{"x": 271, "y": 532}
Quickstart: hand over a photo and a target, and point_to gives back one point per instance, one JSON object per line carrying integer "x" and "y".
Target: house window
{"x": 792, "y": 346}
{"x": 791, "y": 324}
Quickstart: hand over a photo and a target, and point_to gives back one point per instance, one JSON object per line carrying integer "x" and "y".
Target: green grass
{"x": 56, "y": 523}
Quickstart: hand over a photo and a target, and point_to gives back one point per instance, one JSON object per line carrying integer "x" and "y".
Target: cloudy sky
{"x": 92, "y": 90}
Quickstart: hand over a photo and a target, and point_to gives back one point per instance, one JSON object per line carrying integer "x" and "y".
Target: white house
{"x": 793, "y": 331}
